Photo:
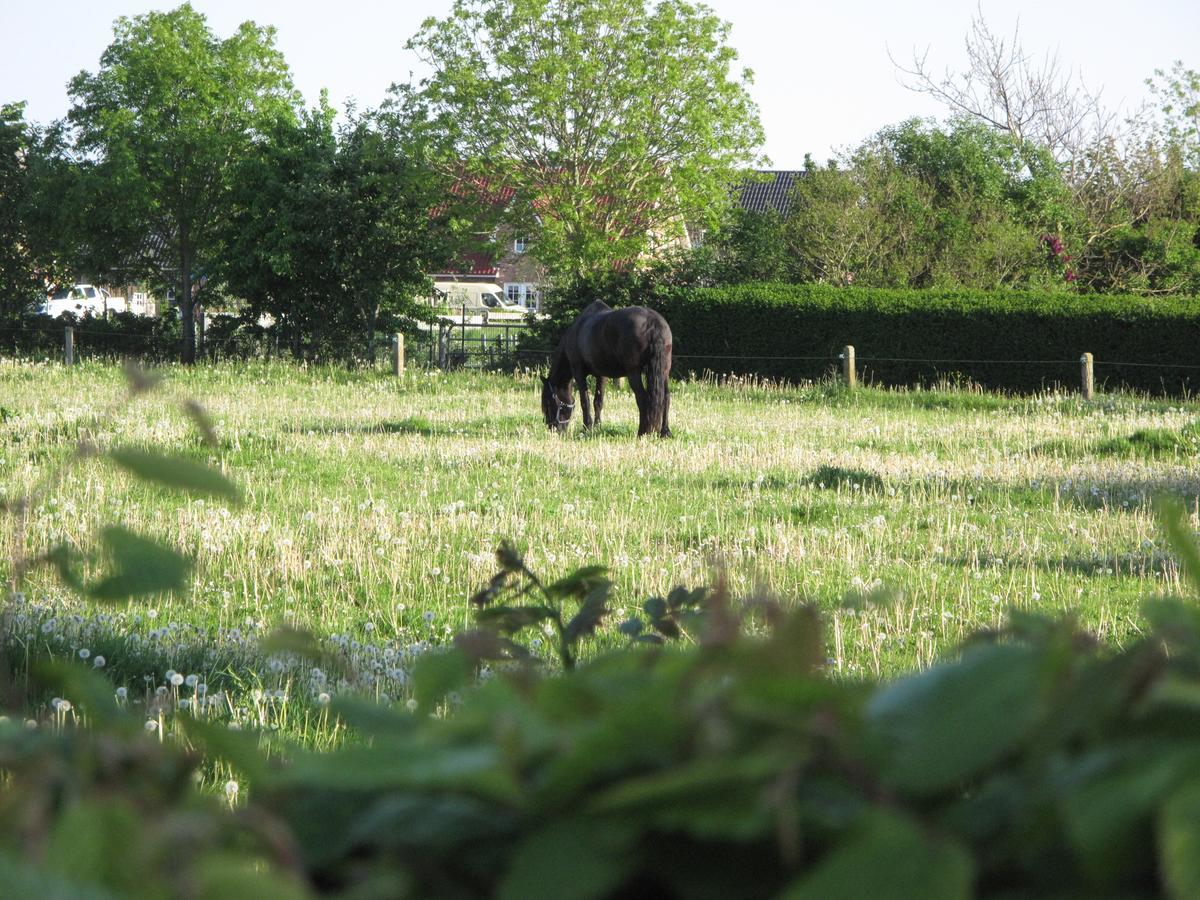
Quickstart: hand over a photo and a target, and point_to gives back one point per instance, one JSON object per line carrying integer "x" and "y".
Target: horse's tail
{"x": 658, "y": 370}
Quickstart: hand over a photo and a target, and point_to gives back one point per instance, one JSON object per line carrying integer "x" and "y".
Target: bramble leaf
{"x": 175, "y": 472}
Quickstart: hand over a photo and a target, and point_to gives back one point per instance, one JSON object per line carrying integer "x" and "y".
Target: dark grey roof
{"x": 773, "y": 192}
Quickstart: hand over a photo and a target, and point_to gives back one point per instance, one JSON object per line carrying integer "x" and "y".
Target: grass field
{"x": 374, "y": 505}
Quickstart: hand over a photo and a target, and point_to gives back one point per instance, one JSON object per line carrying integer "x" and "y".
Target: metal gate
{"x": 478, "y": 341}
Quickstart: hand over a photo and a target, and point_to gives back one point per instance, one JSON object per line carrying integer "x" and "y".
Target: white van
{"x": 475, "y": 296}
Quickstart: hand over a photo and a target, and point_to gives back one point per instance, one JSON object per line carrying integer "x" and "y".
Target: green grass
{"x": 374, "y": 504}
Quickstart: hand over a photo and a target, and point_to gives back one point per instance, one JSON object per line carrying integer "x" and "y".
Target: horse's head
{"x": 557, "y": 405}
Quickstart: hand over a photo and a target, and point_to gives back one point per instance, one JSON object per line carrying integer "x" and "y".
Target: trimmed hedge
{"x": 1012, "y": 341}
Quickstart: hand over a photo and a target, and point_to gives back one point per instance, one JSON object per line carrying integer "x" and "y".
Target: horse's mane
{"x": 594, "y": 307}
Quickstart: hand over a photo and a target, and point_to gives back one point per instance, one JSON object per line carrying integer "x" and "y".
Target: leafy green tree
{"x": 752, "y": 246}
{"x": 161, "y": 124}
{"x": 921, "y": 205}
{"x": 1178, "y": 94}
{"x": 277, "y": 241}
{"x": 27, "y": 260}
{"x": 332, "y": 231}
{"x": 865, "y": 222}
{"x": 613, "y": 121}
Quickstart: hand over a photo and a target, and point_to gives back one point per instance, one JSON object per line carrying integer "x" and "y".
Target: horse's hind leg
{"x": 599, "y": 397}
{"x": 643, "y": 400}
{"x": 666, "y": 429}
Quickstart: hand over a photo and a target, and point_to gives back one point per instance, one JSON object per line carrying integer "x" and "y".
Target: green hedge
{"x": 1012, "y": 341}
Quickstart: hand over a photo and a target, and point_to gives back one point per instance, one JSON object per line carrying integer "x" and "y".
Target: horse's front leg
{"x": 599, "y": 397}
{"x": 585, "y": 407}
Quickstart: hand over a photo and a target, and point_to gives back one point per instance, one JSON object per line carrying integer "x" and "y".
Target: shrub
{"x": 1013, "y": 341}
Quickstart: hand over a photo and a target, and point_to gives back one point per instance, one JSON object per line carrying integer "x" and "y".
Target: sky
{"x": 823, "y": 79}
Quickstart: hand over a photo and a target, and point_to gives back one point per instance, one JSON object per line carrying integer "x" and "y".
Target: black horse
{"x": 610, "y": 343}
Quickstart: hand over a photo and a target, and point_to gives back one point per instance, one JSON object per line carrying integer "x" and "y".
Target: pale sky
{"x": 823, "y": 80}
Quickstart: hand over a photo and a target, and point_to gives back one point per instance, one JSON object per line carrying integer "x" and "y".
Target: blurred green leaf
{"x": 578, "y": 583}
{"x": 83, "y": 686}
{"x": 939, "y": 727}
{"x": 201, "y": 420}
{"x": 1112, "y": 797}
{"x": 719, "y": 799}
{"x": 63, "y": 558}
{"x": 511, "y": 619}
{"x": 1179, "y": 535}
{"x": 422, "y": 822}
{"x": 20, "y": 879}
{"x": 175, "y": 472}
{"x": 573, "y": 859}
{"x": 1179, "y": 842}
{"x": 591, "y": 612}
{"x": 631, "y": 627}
{"x": 98, "y": 842}
{"x": 139, "y": 566}
{"x": 240, "y": 749}
{"x": 224, "y": 875}
{"x": 299, "y": 642}
{"x": 655, "y": 607}
{"x": 474, "y": 768}
{"x": 435, "y": 675}
{"x": 892, "y": 858}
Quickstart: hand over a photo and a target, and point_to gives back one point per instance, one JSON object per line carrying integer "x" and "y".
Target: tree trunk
{"x": 186, "y": 308}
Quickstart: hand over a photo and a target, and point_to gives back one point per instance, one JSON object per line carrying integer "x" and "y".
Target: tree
{"x": 1035, "y": 102}
{"x": 1178, "y": 94}
{"x": 22, "y": 281}
{"x": 613, "y": 122}
{"x": 35, "y": 220}
{"x": 161, "y": 124}
{"x": 277, "y": 241}
{"x": 862, "y": 220}
{"x": 752, "y": 246}
{"x": 331, "y": 232}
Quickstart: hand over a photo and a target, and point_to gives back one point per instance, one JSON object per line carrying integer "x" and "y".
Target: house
{"x": 515, "y": 270}
{"x": 514, "y": 265}
{"x": 768, "y": 190}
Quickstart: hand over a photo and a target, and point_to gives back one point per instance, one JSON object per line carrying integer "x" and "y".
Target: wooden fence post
{"x": 848, "y": 373}
{"x": 1087, "y": 376}
{"x": 69, "y": 346}
{"x": 397, "y": 354}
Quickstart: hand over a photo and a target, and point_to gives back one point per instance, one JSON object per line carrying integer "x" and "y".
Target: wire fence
{"x": 487, "y": 344}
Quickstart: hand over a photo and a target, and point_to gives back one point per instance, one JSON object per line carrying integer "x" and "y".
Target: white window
{"x": 520, "y": 244}
{"x": 525, "y": 294}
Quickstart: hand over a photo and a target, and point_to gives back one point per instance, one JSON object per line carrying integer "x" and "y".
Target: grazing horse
{"x": 611, "y": 343}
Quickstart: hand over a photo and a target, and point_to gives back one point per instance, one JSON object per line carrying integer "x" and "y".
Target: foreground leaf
{"x": 573, "y": 860}
{"x": 140, "y": 566}
{"x": 175, "y": 472}
{"x": 891, "y": 858}
{"x": 1179, "y": 842}
{"x": 944, "y": 725}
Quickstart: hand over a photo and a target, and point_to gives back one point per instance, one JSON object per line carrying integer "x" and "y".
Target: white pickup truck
{"x": 82, "y": 299}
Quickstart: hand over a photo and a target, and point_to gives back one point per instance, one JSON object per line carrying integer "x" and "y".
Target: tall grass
{"x": 374, "y": 505}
